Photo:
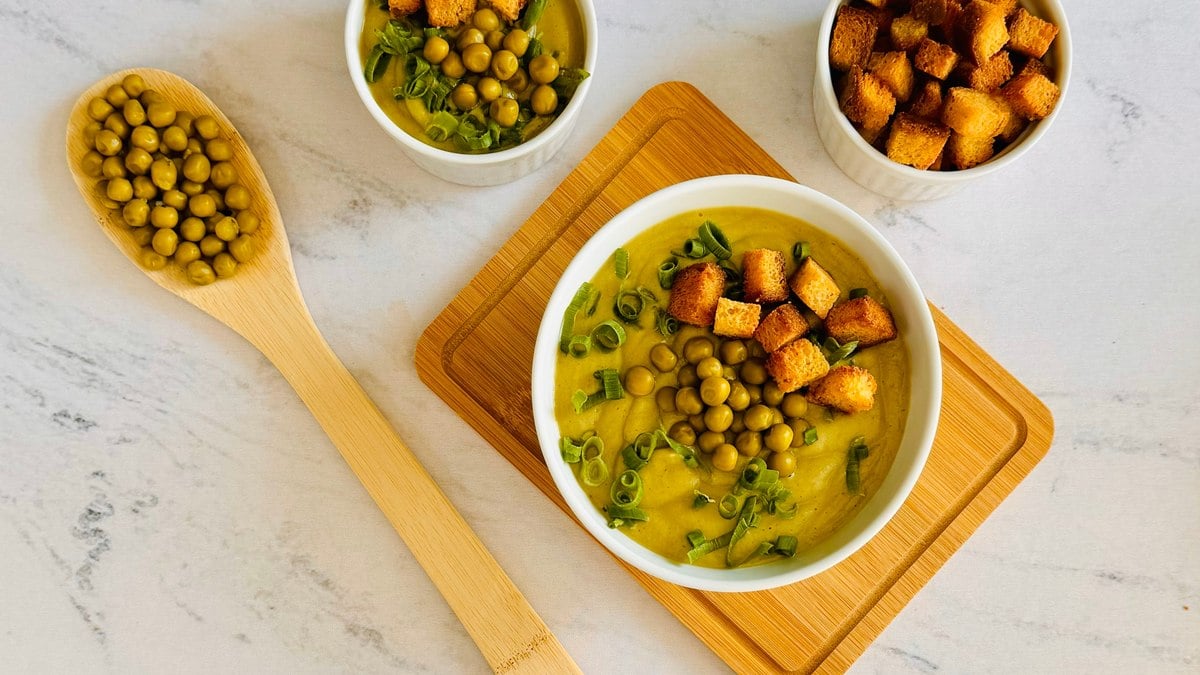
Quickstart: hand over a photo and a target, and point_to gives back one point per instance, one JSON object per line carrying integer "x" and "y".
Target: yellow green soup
{"x": 682, "y": 494}
{"x": 459, "y": 110}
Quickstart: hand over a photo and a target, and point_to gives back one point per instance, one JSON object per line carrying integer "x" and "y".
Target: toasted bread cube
{"x": 402, "y": 8}
{"x": 1030, "y": 35}
{"x": 877, "y": 3}
{"x": 932, "y": 12}
{"x": 928, "y": 102}
{"x": 695, "y": 292}
{"x": 915, "y": 141}
{"x": 815, "y": 287}
{"x": 972, "y": 113}
{"x": 935, "y": 58}
{"x": 736, "y": 319}
{"x": 947, "y": 29}
{"x": 863, "y": 320}
{"x": 508, "y": 10}
{"x": 965, "y": 152}
{"x": 1032, "y": 95}
{"x": 848, "y": 388}
{"x": 764, "y": 276}
{"x": 784, "y": 324}
{"x": 866, "y": 100}
{"x": 908, "y": 31}
{"x": 1007, "y": 7}
{"x": 448, "y": 13}
{"x": 989, "y": 75}
{"x": 939, "y": 161}
{"x": 853, "y": 36}
{"x": 1033, "y": 65}
{"x": 872, "y": 136}
{"x": 983, "y": 30}
{"x": 796, "y": 364}
{"x": 895, "y": 70}
{"x": 1013, "y": 125}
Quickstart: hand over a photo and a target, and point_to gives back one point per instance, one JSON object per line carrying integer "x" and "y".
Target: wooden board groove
{"x": 993, "y": 430}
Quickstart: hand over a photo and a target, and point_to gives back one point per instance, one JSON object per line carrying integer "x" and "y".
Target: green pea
{"x": 92, "y": 163}
{"x": 247, "y": 222}
{"x": 162, "y": 173}
{"x": 164, "y": 217}
{"x": 186, "y": 252}
{"x": 108, "y": 143}
{"x": 202, "y": 206}
{"x": 207, "y": 127}
{"x": 143, "y": 188}
{"x": 210, "y": 245}
{"x": 144, "y": 137}
{"x": 134, "y": 113}
{"x": 165, "y": 241}
{"x": 116, "y": 95}
{"x": 160, "y": 114}
{"x": 112, "y": 167}
{"x": 219, "y": 150}
{"x": 136, "y": 213}
{"x": 237, "y": 197}
{"x": 133, "y": 84}
{"x": 224, "y": 265}
{"x": 175, "y": 138}
{"x": 99, "y": 109}
{"x": 175, "y": 199}
{"x": 226, "y": 229}
{"x": 196, "y": 168}
{"x": 242, "y": 248}
{"x": 119, "y": 190}
{"x": 153, "y": 260}
{"x": 138, "y": 161}
{"x": 200, "y": 273}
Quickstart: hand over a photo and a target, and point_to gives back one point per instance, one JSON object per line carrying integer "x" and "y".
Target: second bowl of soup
{"x": 736, "y": 383}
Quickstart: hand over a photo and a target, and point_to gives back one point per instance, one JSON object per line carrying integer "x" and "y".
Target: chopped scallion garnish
{"x": 568, "y": 325}
{"x": 666, "y": 273}
{"x": 694, "y": 248}
{"x": 856, "y": 293}
{"x": 810, "y": 435}
{"x": 785, "y": 545}
{"x": 800, "y": 251}
{"x": 608, "y": 335}
{"x": 621, "y": 263}
{"x": 714, "y": 240}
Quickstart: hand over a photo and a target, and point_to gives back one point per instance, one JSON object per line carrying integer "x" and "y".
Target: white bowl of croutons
{"x": 762, "y": 216}
{"x": 476, "y": 92}
{"x": 915, "y": 103}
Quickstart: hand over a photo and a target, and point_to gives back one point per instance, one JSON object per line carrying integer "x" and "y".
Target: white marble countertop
{"x": 167, "y": 503}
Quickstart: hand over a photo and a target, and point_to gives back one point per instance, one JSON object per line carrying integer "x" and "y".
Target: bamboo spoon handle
{"x": 512, "y": 637}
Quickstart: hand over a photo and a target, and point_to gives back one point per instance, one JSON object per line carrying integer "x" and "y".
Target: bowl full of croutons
{"x": 477, "y": 92}
{"x": 915, "y": 98}
{"x": 736, "y": 383}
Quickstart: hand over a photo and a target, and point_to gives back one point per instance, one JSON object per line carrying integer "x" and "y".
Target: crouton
{"x": 932, "y": 12}
{"x": 695, "y": 292}
{"x": 736, "y": 319}
{"x": 928, "y": 102}
{"x": 784, "y": 324}
{"x": 877, "y": 3}
{"x": 1031, "y": 95}
{"x": 895, "y": 70}
{"x": 815, "y": 287}
{"x": 972, "y": 113}
{"x": 1007, "y": 7}
{"x": 983, "y": 30}
{"x": 867, "y": 100}
{"x": 965, "y": 152}
{"x": 508, "y": 10}
{"x": 935, "y": 58}
{"x": 1013, "y": 124}
{"x": 989, "y": 75}
{"x": 873, "y": 137}
{"x": 916, "y": 142}
{"x": 907, "y": 31}
{"x": 764, "y": 276}
{"x": 1030, "y": 35}
{"x": 853, "y": 36}
{"x": 947, "y": 29}
{"x": 796, "y": 364}
{"x": 448, "y": 13}
{"x": 848, "y": 388}
{"x": 1033, "y": 65}
{"x": 402, "y": 8}
{"x": 939, "y": 161}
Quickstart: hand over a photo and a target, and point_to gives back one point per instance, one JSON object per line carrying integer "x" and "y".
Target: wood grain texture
{"x": 992, "y": 430}
{"x": 263, "y": 304}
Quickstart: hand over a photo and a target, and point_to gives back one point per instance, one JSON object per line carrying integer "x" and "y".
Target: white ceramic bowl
{"x": 912, "y": 317}
{"x": 484, "y": 169}
{"x": 874, "y": 171}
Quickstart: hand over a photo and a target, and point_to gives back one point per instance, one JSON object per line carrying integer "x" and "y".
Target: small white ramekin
{"x": 912, "y": 317}
{"x": 873, "y": 170}
{"x": 476, "y": 169}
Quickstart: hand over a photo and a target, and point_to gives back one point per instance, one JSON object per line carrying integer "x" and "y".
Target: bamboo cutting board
{"x": 477, "y": 353}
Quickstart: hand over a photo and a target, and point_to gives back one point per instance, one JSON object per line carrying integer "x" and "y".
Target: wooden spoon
{"x": 262, "y": 302}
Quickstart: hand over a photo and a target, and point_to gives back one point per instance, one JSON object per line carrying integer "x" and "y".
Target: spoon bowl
{"x": 262, "y": 302}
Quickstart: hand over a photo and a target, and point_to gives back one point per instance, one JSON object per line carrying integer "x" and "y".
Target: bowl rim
{"x": 353, "y": 31}
{"x": 1033, "y": 132}
{"x": 924, "y": 405}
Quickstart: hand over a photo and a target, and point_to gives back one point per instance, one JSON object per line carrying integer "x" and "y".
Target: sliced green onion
{"x": 612, "y": 383}
{"x": 621, "y": 263}
{"x": 858, "y": 446}
{"x": 666, "y": 324}
{"x": 708, "y": 546}
{"x": 608, "y": 335}
{"x": 856, "y": 293}
{"x": 688, "y": 454}
{"x": 628, "y": 306}
{"x": 764, "y": 548}
{"x": 637, "y": 454}
{"x": 714, "y": 239}
{"x": 810, "y": 435}
{"x": 785, "y": 545}
{"x": 572, "y": 452}
{"x": 843, "y": 352}
{"x": 647, "y": 294}
{"x": 533, "y": 13}
{"x": 801, "y": 251}
{"x": 626, "y": 490}
{"x": 666, "y": 273}
{"x": 701, "y": 500}
{"x": 623, "y": 515}
{"x": 694, "y": 248}
{"x": 853, "y": 480}
{"x": 376, "y": 65}
{"x": 593, "y": 472}
{"x": 568, "y": 324}
{"x": 695, "y": 538}
{"x": 593, "y": 301}
{"x": 441, "y": 126}
{"x": 729, "y": 506}
{"x": 756, "y": 475}
{"x": 579, "y": 346}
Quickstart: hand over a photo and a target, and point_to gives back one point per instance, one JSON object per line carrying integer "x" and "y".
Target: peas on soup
{"x": 731, "y": 387}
